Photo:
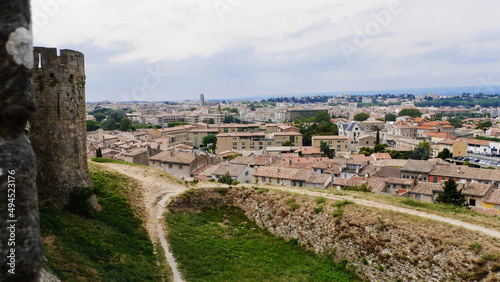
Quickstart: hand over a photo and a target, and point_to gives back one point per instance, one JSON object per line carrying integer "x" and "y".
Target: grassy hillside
{"x": 110, "y": 245}
{"x": 222, "y": 244}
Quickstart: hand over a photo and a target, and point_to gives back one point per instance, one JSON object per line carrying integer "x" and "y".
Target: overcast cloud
{"x": 177, "y": 49}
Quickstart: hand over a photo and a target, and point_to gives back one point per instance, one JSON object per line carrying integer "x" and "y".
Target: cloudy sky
{"x": 155, "y": 50}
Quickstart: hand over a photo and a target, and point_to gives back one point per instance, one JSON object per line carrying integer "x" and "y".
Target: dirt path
{"x": 456, "y": 222}
{"x": 156, "y": 191}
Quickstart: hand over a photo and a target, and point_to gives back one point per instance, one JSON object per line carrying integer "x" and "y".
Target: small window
{"x": 497, "y": 207}
{"x": 180, "y": 167}
{"x": 170, "y": 166}
{"x": 246, "y": 173}
{"x": 300, "y": 184}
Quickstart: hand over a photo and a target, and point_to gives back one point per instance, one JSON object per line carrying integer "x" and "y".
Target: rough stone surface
{"x": 58, "y": 128}
{"x": 378, "y": 248}
{"x": 17, "y": 158}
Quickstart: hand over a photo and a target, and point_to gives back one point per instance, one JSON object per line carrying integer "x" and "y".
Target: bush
{"x": 320, "y": 200}
{"x": 318, "y": 209}
{"x": 227, "y": 179}
{"x": 364, "y": 261}
{"x": 342, "y": 203}
{"x": 363, "y": 188}
{"x": 338, "y": 212}
{"x": 79, "y": 202}
{"x": 476, "y": 247}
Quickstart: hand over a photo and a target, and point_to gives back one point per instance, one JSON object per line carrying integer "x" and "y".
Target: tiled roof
{"x": 381, "y": 156}
{"x": 474, "y": 189}
{"x": 493, "y": 197}
{"x": 291, "y": 173}
{"x": 427, "y": 188}
{"x": 234, "y": 170}
{"x": 386, "y": 172}
{"x": 397, "y": 180}
{"x": 174, "y": 157}
{"x": 418, "y": 166}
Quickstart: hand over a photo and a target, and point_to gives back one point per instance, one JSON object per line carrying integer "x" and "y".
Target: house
{"x": 139, "y": 156}
{"x": 377, "y": 184}
{"x": 197, "y": 135}
{"x": 250, "y": 141}
{"x": 337, "y": 143}
{"x": 464, "y": 174}
{"x": 352, "y": 130}
{"x": 417, "y": 169}
{"x": 179, "y": 164}
{"x": 457, "y": 148}
{"x": 352, "y": 167}
{"x": 424, "y": 191}
{"x": 242, "y": 173}
{"x": 380, "y": 156}
{"x": 292, "y": 177}
{"x": 394, "y": 185}
{"x": 492, "y": 200}
{"x": 310, "y": 152}
{"x": 254, "y": 162}
{"x": 477, "y": 146}
{"x": 475, "y": 192}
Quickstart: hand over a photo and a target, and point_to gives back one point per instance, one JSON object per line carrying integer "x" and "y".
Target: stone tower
{"x": 202, "y": 100}
{"x": 58, "y": 128}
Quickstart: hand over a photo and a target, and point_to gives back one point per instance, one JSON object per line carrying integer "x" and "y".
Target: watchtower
{"x": 58, "y": 128}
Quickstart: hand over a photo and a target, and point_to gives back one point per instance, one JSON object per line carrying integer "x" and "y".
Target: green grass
{"x": 439, "y": 207}
{"x": 103, "y": 160}
{"x": 111, "y": 245}
{"x": 342, "y": 203}
{"x": 320, "y": 200}
{"x": 222, "y": 244}
{"x": 338, "y": 212}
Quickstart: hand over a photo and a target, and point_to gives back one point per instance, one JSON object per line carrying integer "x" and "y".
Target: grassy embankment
{"x": 111, "y": 245}
{"x": 222, "y": 244}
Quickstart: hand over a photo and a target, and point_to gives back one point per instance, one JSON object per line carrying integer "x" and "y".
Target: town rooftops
{"x": 291, "y": 174}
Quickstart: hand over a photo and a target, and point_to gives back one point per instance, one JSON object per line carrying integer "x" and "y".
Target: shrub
{"x": 212, "y": 180}
{"x": 79, "y": 202}
{"x": 318, "y": 209}
{"x": 364, "y": 261}
{"x": 320, "y": 200}
{"x": 342, "y": 203}
{"x": 363, "y": 188}
{"x": 380, "y": 268}
{"x": 476, "y": 247}
{"x": 338, "y": 212}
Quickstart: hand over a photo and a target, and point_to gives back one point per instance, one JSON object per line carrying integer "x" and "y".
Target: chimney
{"x": 171, "y": 153}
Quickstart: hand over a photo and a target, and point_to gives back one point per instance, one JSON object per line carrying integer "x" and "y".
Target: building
{"x": 251, "y": 141}
{"x": 196, "y": 135}
{"x": 352, "y": 130}
{"x": 242, "y": 173}
{"x": 202, "y": 100}
{"x": 417, "y": 169}
{"x": 179, "y": 164}
{"x": 337, "y": 143}
{"x": 457, "y": 148}
{"x": 292, "y": 177}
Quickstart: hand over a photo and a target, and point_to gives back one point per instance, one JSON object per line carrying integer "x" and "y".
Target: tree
{"x": 92, "y": 125}
{"x": 377, "y": 139}
{"x": 365, "y": 151}
{"x": 99, "y": 117}
{"x": 390, "y": 117}
{"x": 98, "y": 153}
{"x": 379, "y": 148}
{"x": 125, "y": 124}
{"x": 420, "y": 153}
{"x": 192, "y": 109}
{"x": 228, "y": 119}
{"x": 109, "y": 124}
{"x": 438, "y": 116}
{"x": 209, "y": 121}
{"x": 322, "y": 116}
{"x": 426, "y": 145}
{"x": 326, "y": 151}
{"x": 410, "y": 112}
{"x": 287, "y": 143}
{"x": 227, "y": 179}
{"x": 252, "y": 107}
{"x": 361, "y": 117}
{"x": 210, "y": 139}
{"x": 117, "y": 114}
{"x": 456, "y": 122}
{"x": 451, "y": 195}
{"x": 444, "y": 154}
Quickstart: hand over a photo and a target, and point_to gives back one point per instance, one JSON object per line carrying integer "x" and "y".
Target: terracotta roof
{"x": 174, "y": 157}
{"x": 493, "y": 197}
{"x": 234, "y": 170}
{"x": 397, "y": 180}
{"x": 381, "y": 156}
{"x": 427, "y": 188}
{"x": 387, "y": 172}
{"x": 418, "y": 166}
{"x": 310, "y": 151}
{"x": 291, "y": 173}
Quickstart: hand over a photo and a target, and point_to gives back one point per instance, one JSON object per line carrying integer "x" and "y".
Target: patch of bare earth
{"x": 151, "y": 191}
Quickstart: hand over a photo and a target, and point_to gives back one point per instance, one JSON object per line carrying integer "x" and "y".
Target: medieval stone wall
{"x": 58, "y": 128}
